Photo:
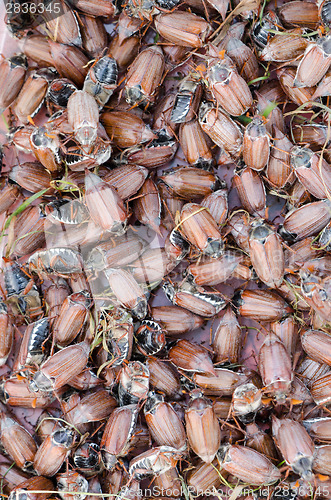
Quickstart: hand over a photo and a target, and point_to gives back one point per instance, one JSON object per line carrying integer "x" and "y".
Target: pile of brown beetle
{"x": 166, "y": 227}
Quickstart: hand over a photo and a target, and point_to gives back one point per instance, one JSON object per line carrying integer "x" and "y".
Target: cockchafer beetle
{"x": 314, "y": 64}
{"x": 163, "y": 377}
{"x": 71, "y": 318}
{"x": 313, "y": 172}
{"x": 211, "y": 272}
{"x": 31, "y": 176}
{"x": 87, "y": 458}
{"x": 53, "y": 451}
{"x": 92, "y": 407}
{"x": 295, "y": 445}
{"x": 16, "y": 392}
{"x": 260, "y": 441}
{"x": 22, "y": 294}
{"x": 117, "y": 327}
{"x": 127, "y": 291}
{"x": 299, "y": 14}
{"x": 275, "y": 117}
{"x": 46, "y": 148}
{"x": 246, "y": 402}
{"x": 17, "y": 442}
{"x": 150, "y": 338}
{"x": 204, "y": 477}
{"x": 126, "y": 129}
{"x": 94, "y": 35}
{"x": 101, "y": 80}
{"x": 12, "y": 71}
{"x": 316, "y": 291}
{"x": 299, "y": 95}
{"x": 279, "y": 172}
{"x": 228, "y": 88}
{"x": 262, "y": 305}
{"x": 115, "y": 441}
{"x": 104, "y": 204}
{"x": 287, "y": 331}
{"x": 182, "y": 28}
{"x": 144, "y": 76}
{"x": 256, "y": 145}
{"x": 306, "y": 220}
{"x": 314, "y": 134}
{"x": 176, "y": 246}
{"x": 202, "y": 427}
{"x": 32, "y": 94}
{"x": 319, "y": 428}
{"x": 191, "y": 182}
{"x": 154, "y": 462}
{"x": 194, "y": 145}
{"x": 26, "y": 489}
{"x": 58, "y": 93}
{"x": 165, "y": 426}
{"x": 244, "y": 58}
{"x": 266, "y": 253}
{"x": 191, "y": 357}
{"x": 127, "y": 179}
{"x": 317, "y": 345}
{"x": 147, "y": 205}
{"x": 9, "y": 193}
{"x": 222, "y": 383}
{"x": 222, "y": 130}
{"x": 251, "y": 190}
{"x": 200, "y": 229}
{"x": 247, "y": 465}
{"x": 275, "y": 367}
{"x": 121, "y": 252}
{"x": 133, "y": 384}
{"x": 71, "y": 481}
{"x": 227, "y": 338}
{"x": 61, "y": 261}
{"x": 187, "y": 100}
{"x": 194, "y": 299}
{"x": 83, "y": 116}
{"x": 33, "y": 349}
{"x": 12, "y": 476}
{"x": 70, "y": 62}
{"x": 217, "y": 204}
{"x": 285, "y": 46}
{"x": 58, "y": 369}
{"x": 176, "y": 320}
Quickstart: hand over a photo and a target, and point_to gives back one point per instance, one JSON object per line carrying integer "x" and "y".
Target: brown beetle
{"x": 144, "y": 76}
{"x": 256, "y": 145}
{"x": 266, "y": 253}
{"x": 191, "y": 357}
{"x": 12, "y": 71}
{"x": 182, "y": 28}
{"x": 295, "y": 444}
{"x": 228, "y": 88}
{"x": 17, "y": 442}
{"x": 223, "y": 131}
{"x": 163, "y": 423}
{"x": 247, "y": 464}
{"x": 202, "y": 427}
{"x": 201, "y": 230}
{"x": 53, "y": 452}
{"x": 58, "y": 369}
{"x": 275, "y": 367}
